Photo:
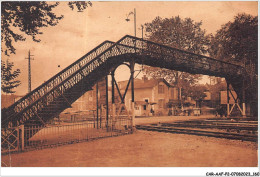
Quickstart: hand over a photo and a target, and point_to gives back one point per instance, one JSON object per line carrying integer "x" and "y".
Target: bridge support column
{"x": 228, "y": 109}
{"x": 122, "y": 106}
{"x": 107, "y": 107}
{"x": 132, "y": 65}
{"x": 113, "y": 99}
{"x": 237, "y": 102}
{"x": 243, "y": 99}
{"x": 97, "y": 102}
{"x": 244, "y": 110}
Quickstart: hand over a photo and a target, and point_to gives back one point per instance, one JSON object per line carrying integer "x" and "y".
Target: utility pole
{"x": 135, "y": 20}
{"x": 127, "y": 19}
{"x": 142, "y": 31}
{"x": 29, "y": 71}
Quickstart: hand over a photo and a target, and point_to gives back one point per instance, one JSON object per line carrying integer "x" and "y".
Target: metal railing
{"x": 10, "y": 139}
{"x": 39, "y": 136}
{"x": 62, "y": 83}
{"x": 47, "y": 87}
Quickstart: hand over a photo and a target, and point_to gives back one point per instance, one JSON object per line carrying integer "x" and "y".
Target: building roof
{"x": 141, "y": 83}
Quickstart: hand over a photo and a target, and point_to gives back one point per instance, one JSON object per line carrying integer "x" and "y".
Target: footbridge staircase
{"x": 59, "y": 92}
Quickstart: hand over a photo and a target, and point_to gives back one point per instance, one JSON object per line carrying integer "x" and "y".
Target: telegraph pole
{"x": 135, "y": 20}
{"x": 29, "y": 71}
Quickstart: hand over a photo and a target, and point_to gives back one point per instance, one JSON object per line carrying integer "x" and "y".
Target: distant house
{"x": 8, "y": 100}
{"x": 152, "y": 96}
{"x": 223, "y": 97}
{"x": 86, "y": 105}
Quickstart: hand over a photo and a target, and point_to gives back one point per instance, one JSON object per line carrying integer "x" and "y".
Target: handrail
{"x": 65, "y": 80}
{"x": 86, "y": 64}
{"x": 184, "y": 51}
{"x": 77, "y": 61}
{"x": 154, "y": 52}
{"x": 58, "y": 74}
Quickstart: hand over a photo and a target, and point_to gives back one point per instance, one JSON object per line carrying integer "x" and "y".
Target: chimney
{"x": 144, "y": 78}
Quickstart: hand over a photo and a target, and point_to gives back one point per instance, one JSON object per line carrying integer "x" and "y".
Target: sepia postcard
{"x": 129, "y": 84}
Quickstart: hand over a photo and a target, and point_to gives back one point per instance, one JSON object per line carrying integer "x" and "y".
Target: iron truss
{"x": 59, "y": 92}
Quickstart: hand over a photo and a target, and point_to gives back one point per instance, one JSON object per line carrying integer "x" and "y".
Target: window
{"x": 160, "y": 88}
{"x": 146, "y": 100}
{"x": 161, "y": 103}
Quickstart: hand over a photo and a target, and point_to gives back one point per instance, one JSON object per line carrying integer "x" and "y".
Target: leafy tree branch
{"x": 184, "y": 34}
{"x": 8, "y": 76}
{"x": 20, "y": 18}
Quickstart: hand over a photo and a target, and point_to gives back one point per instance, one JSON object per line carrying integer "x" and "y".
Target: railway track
{"x": 245, "y": 131}
{"x": 238, "y": 128}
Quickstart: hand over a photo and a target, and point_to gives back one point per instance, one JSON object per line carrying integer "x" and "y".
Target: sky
{"x": 79, "y": 32}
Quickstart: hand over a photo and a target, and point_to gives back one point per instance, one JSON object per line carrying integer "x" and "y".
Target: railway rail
{"x": 244, "y": 130}
{"x": 251, "y": 129}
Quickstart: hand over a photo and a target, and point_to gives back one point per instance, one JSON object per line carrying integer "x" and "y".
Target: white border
{"x": 117, "y": 171}
{"x": 127, "y": 171}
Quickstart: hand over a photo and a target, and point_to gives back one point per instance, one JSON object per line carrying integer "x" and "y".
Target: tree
{"x": 197, "y": 93}
{"x": 179, "y": 33}
{"x": 28, "y": 17}
{"x": 173, "y": 77}
{"x": 236, "y": 41}
{"x": 8, "y": 82}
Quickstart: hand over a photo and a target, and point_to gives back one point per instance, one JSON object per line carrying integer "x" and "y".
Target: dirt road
{"x": 143, "y": 149}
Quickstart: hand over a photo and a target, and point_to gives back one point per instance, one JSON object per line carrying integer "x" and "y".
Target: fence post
{"x": 22, "y": 128}
{"x": 18, "y": 138}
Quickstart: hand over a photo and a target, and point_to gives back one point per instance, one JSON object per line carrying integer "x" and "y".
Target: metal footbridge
{"x": 59, "y": 92}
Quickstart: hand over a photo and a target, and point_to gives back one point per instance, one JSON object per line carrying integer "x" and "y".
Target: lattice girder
{"x": 85, "y": 72}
